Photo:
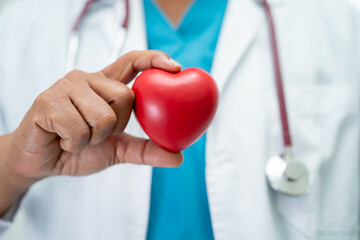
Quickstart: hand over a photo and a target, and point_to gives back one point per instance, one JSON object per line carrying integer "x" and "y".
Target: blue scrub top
{"x": 179, "y": 206}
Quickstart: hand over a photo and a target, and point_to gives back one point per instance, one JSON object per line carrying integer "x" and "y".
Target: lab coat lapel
{"x": 139, "y": 203}
{"x": 136, "y": 35}
{"x": 241, "y": 23}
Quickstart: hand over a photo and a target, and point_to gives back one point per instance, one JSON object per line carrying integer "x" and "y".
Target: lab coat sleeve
{"x": 2, "y": 76}
{"x": 355, "y": 17}
{"x": 356, "y": 6}
{"x": 358, "y": 40}
{"x": 7, "y": 218}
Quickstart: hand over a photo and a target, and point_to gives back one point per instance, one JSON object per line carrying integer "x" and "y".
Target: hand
{"x": 76, "y": 126}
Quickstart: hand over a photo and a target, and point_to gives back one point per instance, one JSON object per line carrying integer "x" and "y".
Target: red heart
{"x": 175, "y": 109}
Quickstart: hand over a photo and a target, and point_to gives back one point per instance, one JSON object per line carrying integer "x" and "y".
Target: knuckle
{"x": 42, "y": 99}
{"x": 72, "y": 146}
{"x": 74, "y": 74}
{"x": 37, "y": 118}
{"x": 128, "y": 95}
{"x": 69, "y": 146}
{"x": 133, "y": 54}
{"x": 107, "y": 119}
{"x": 157, "y": 53}
{"x": 64, "y": 81}
{"x": 124, "y": 94}
{"x": 130, "y": 57}
{"x": 118, "y": 90}
{"x": 53, "y": 116}
{"x": 110, "y": 118}
{"x": 47, "y": 101}
{"x": 81, "y": 134}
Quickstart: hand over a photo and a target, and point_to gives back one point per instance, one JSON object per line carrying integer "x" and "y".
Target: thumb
{"x": 131, "y": 149}
{"x": 127, "y": 66}
{"x": 118, "y": 149}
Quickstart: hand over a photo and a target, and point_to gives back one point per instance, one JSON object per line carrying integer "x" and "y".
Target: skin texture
{"x": 174, "y": 9}
{"x": 76, "y": 128}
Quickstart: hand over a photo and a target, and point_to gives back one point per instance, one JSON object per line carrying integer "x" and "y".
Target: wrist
{"x": 9, "y": 171}
{"x": 12, "y": 183}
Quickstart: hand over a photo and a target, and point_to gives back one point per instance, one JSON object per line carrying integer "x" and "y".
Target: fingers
{"x": 73, "y": 111}
{"x": 68, "y": 128}
{"x": 85, "y": 108}
{"x": 106, "y": 104}
{"x": 141, "y": 151}
{"x": 63, "y": 119}
{"x": 119, "y": 96}
{"x": 110, "y": 85}
{"x": 127, "y": 66}
{"x": 97, "y": 113}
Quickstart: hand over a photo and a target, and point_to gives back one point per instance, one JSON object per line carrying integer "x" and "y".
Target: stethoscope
{"x": 284, "y": 173}
{"x": 74, "y": 42}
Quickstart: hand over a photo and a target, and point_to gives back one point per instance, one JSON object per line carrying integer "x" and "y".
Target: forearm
{"x": 12, "y": 184}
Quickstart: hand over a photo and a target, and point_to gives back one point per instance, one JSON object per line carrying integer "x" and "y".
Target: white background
{"x": 2, "y": 2}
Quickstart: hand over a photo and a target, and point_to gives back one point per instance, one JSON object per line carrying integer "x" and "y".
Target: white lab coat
{"x": 320, "y": 48}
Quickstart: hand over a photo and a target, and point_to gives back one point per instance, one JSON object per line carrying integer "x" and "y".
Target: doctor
{"x": 49, "y": 128}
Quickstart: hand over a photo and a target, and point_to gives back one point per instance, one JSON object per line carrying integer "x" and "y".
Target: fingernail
{"x": 173, "y": 62}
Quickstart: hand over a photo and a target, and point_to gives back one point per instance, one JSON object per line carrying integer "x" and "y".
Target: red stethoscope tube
{"x": 278, "y": 76}
{"x": 75, "y": 35}
{"x": 86, "y": 9}
{"x": 82, "y": 15}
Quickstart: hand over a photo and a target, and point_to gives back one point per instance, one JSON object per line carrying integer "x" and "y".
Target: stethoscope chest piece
{"x": 287, "y": 176}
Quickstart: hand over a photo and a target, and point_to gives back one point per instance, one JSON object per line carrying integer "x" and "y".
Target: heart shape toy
{"x": 175, "y": 109}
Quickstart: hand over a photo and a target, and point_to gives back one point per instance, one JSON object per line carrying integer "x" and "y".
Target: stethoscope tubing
{"x": 285, "y": 175}
{"x": 278, "y": 76}
{"x": 74, "y": 40}
{"x": 120, "y": 39}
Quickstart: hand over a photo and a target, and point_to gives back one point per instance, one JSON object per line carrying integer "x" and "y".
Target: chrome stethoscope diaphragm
{"x": 287, "y": 175}
{"x": 284, "y": 173}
